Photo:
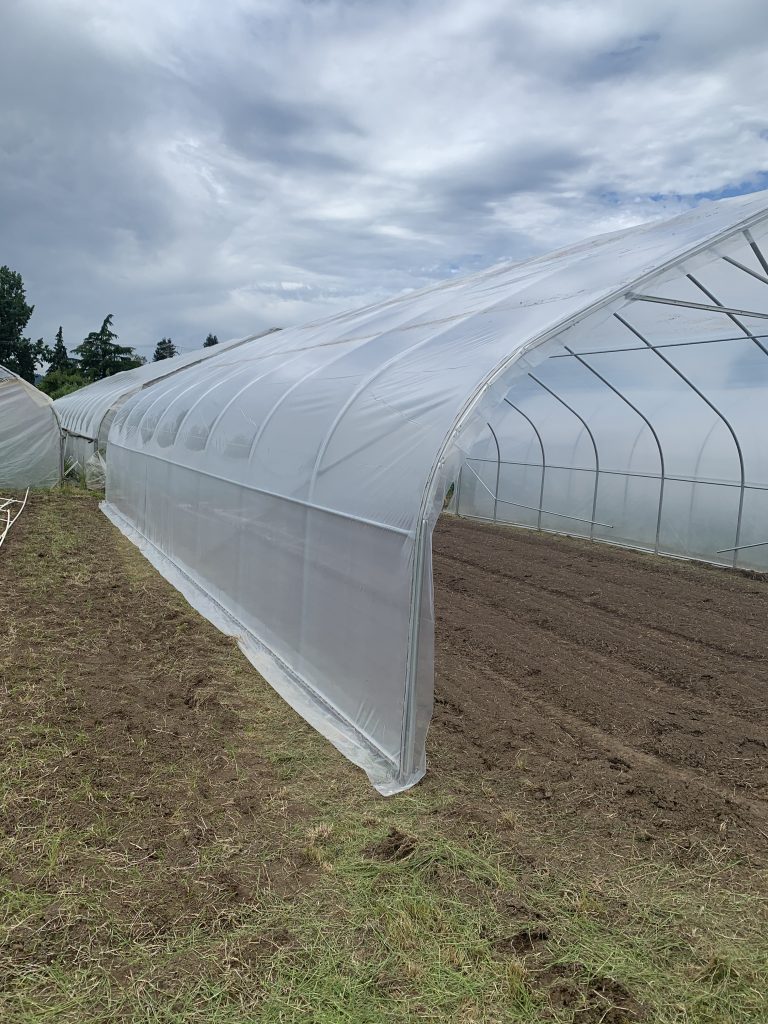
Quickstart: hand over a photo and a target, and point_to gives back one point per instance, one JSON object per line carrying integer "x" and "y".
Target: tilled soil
{"x": 621, "y": 690}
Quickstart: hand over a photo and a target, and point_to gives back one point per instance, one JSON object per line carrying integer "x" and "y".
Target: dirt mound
{"x": 396, "y": 845}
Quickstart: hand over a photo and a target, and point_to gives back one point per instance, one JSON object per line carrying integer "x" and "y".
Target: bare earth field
{"x": 589, "y": 845}
{"x": 632, "y": 690}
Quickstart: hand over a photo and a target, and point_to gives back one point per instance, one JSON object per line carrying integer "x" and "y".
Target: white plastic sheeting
{"x": 30, "y": 440}
{"x": 95, "y": 472}
{"x": 86, "y": 415}
{"x": 290, "y": 490}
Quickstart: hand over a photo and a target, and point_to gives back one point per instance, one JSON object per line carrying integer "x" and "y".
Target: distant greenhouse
{"x": 615, "y": 389}
{"x": 30, "y": 440}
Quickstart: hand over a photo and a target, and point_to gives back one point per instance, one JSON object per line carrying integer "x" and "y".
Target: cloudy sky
{"x": 193, "y": 166}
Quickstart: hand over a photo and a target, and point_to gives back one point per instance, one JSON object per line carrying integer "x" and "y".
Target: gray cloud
{"x": 194, "y": 167}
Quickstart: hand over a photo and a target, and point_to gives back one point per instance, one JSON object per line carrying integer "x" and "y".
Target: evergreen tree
{"x": 212, "y": 339}
{"x": 59, "y": 357}
{"x": 17, "y": 352}
{"x": 27, "y": 357}
{"x": 164, "y": 350}
{"x": 101, "y": 357}
{"x": 62, "y": 382}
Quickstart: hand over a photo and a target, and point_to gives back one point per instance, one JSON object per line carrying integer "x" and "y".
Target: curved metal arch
{"x": 543, "y": 456}
{"x": 358, "y": 342}
{"x": 200, "y": 398}
{"x": 591, "y": 436}
{"x": 647, "y": 422}
{"x": 360, "y": 389}
{"x": 498, "y": 472}
{"x": 159, "y": 395}
{"x": 696, "y": 468}
{"x": 715, "y": 410}
{"x": 81, "y": 411}
{"x": 228, "y": 404}
{"x": 180, "y": 371}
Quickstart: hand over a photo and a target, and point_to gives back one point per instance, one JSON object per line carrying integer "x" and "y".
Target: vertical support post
{"x": 407, "y": 763}
{"x": 458, "y": 492}
{"x": 62, "y": 443}
{"x": 594, "y": 448}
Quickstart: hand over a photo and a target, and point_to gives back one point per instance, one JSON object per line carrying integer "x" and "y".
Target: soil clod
{"x": 395, "y": 846}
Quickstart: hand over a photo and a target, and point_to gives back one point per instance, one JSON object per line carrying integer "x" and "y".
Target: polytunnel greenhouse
{"x": 613, "y": 389}
{"x": 30, "y": 439}
{"x": 86, "y": 415}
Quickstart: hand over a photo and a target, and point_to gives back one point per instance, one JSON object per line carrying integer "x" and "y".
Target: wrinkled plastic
{"x": 291, "y": 487}
{"x": 86, "y": 415}
{"x": 30, "y": 440}
{"x": 95, "y": 472}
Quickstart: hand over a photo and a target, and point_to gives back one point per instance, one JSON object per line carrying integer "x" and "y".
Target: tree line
{"x": 98, "y": 355}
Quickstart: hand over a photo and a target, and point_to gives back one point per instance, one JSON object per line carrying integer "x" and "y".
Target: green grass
{"x": 200, "y": 869}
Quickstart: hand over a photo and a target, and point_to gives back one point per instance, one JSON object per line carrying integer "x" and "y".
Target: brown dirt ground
{"x": 140, "y": 730}
{"x": 625, "y": 691}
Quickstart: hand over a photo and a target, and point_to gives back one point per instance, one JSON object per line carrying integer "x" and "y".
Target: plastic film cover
{"x": 290, "y": 487}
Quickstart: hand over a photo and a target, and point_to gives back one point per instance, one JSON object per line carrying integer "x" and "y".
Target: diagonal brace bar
{"x": 637, "y": 297}
{"x": 532, "y": 508}
{"x": 743, "y": 547}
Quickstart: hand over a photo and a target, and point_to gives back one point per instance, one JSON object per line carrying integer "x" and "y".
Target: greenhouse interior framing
{"x": 645, "y": 432}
